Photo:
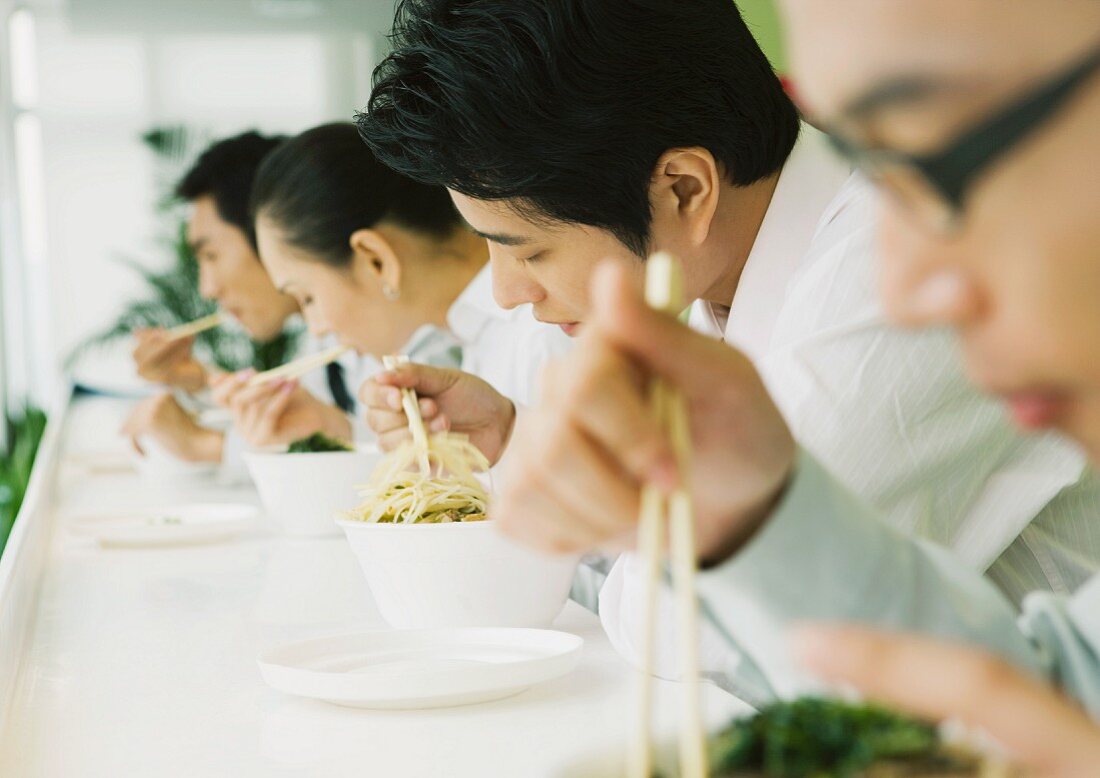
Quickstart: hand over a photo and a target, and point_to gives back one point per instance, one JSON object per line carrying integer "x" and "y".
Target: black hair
{"x": 565, "y": 106}
{"x": 225, "y": 172}
{"x": 323, "y": 185}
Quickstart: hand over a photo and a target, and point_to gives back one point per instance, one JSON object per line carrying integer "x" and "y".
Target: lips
{"x": 1036, "y": 410}
{"x": 571, "y": 329}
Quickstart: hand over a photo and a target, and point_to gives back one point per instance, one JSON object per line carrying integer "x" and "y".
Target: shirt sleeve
{"x": 824, "y": 555}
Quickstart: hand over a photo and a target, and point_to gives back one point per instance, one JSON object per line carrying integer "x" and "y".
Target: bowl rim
{"x": 273, "y": 452}
{"x": 391, "y": 527}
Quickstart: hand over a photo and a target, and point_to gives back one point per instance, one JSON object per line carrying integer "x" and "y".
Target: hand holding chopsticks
{"x": 411, "y": 406}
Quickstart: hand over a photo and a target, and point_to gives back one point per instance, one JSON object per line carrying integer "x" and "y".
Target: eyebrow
{"x": 890, "y": 93}
{"x": 196, "y": 245}
{"x": 503, "y": 239}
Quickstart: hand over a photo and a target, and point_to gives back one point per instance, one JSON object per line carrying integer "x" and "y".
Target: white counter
{"x": 143, "y": 662}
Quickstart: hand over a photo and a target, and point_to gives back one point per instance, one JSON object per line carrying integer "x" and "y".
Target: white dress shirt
{"x": 888, "y": 412}
{"x": 506, "y": 348}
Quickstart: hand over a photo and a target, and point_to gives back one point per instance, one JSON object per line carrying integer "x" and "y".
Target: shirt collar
{"x": 805, "y": 198}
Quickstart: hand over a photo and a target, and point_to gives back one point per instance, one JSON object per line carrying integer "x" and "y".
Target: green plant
{"x": 173, "y": 292}
{"x": 23, "y": 434}
{"x": 821, "y": 737}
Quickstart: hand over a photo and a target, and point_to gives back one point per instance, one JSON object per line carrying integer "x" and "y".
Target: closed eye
{"x": 533, "y": 258}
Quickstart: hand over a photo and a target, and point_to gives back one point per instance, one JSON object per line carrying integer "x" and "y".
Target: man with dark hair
{"x": 575, "y": 131}
{"x": 221, "y": 234}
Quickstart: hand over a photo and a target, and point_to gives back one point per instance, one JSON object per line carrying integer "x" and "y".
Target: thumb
{"x": 655, "y": 339}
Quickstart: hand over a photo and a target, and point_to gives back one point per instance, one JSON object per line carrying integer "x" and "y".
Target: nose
{"x": 923, "y": 278}
{"x": 512, "y": 285}
{"x": 208, "y": 284}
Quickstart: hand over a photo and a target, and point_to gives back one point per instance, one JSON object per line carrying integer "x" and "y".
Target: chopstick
{"x": 411, "y": 404}
{"x": 298, "y": 367}
{"x": 671, "y": 515}
{"x": 194, "y": 327}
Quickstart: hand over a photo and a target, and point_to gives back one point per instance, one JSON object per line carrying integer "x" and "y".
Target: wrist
{"x": 741, "y": 527}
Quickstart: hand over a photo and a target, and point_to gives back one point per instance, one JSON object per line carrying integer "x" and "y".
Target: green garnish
{"x": 317, "y": 443}
{"x": 819, "y": 737}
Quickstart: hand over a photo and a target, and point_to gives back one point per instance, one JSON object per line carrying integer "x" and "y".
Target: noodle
{"x": 434, "y": 486}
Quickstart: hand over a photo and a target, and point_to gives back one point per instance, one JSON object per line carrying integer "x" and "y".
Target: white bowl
{"x": 306, "y": 492}
{"x": 428, "y": 576}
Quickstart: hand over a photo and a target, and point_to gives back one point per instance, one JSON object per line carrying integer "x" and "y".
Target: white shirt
{"x": 889, "y": 412}
{"x": 506, "y": 348}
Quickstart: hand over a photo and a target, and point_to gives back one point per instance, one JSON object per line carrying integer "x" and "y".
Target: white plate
{"x": 429, "y": 668}
{"x": 170, "y": 525}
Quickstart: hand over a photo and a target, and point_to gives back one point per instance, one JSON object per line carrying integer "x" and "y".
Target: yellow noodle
{"x": 405, "y": 490}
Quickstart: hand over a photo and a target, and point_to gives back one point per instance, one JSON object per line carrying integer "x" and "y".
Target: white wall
{"x": 100, "y": 90}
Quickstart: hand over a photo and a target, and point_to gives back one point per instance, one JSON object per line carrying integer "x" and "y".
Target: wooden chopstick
{"x": 194, "y": 327}
{"x": 411, "y": 404}
{"x": 671, "y": 515}
{"x": 299, "y": 367}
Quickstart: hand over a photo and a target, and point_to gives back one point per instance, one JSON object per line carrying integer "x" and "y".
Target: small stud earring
{"x": 389, "y": 292}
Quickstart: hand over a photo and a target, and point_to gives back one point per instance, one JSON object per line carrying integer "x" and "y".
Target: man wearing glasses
{"x": 979, "y": 120}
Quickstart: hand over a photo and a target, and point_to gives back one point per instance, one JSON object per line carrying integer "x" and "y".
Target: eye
{"x": 533, "y": 258}
{"x": 305, "y": 301}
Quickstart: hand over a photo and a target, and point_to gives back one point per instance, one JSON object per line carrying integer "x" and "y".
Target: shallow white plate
{"x": 429, "y": 668}
{"x": 170, "y": 525}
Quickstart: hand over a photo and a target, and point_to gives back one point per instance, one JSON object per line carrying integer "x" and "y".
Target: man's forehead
{"x": 497, "y": 220}
{"x": 843, "y": 50}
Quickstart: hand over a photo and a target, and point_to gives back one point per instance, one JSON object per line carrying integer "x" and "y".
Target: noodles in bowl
{"x": 436, "y": 486}
{"x": 430, "y": 557}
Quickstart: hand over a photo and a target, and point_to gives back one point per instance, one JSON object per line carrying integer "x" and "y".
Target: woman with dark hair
{"x": 377, "y": 260}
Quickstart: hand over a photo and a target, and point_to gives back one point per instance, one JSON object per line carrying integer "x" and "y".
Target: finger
{"x": 229, "y": 385}
{"x": 537, "y": 518}
{"x": 607, "y": 400}
{"x": 388, "y": 441}
{"x": 254, "y": 395}
{"x": 425, "y": 379}
{"x": 938, "y": 680}
{"x": 597, "y": 492}
{"x": 375, "y": 395}
{"x": 158, "y": 351}
{"x": 272, "y": 412}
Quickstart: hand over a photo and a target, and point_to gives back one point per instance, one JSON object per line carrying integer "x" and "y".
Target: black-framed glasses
{"x": 934, "y": 186}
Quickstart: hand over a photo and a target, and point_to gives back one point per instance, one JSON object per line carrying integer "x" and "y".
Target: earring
{"x": 389, "y": 292}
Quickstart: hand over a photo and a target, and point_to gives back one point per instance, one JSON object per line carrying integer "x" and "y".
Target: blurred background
{"x": 103, "y": 103}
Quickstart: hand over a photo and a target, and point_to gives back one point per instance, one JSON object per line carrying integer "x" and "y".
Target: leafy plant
{"x": 23, "y": 433}
{"x": 820, "y": 737}
{"x": 317, "y": 443}
{"x": 173, "y": 292}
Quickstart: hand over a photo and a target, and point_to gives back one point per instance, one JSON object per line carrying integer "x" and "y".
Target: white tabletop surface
{"x": 142, "y": 662}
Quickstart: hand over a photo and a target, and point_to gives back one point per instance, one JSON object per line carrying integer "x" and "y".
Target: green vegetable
{"x": 819, "y": 737}
{"x": 317, "y": 443}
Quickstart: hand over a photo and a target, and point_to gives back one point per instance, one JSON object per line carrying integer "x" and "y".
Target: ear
{"x": 374, "y": 263}
{"x": 683, "y": 193}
